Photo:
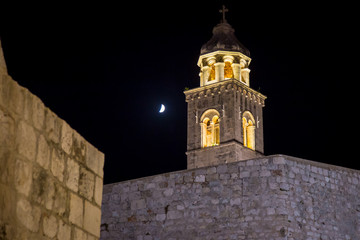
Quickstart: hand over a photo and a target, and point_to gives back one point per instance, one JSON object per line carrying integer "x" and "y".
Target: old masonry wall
{"x": 51, "y": 178}
{"x": 274, "y": 197}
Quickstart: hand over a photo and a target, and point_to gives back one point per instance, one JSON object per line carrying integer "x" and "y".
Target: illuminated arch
{"x": 249, "y": 127}
{"x": 210, "y": 128}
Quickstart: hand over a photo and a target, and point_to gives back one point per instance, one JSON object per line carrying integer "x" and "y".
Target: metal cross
{"x": 223, "y": 11}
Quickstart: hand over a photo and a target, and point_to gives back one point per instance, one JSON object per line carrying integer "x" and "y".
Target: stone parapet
{"x": 274, "y": 197}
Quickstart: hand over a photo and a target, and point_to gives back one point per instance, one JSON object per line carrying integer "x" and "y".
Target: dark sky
{"x": 105, "y": 69}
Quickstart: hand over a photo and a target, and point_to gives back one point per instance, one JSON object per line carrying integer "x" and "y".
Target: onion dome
{"x": 224, "y": 39}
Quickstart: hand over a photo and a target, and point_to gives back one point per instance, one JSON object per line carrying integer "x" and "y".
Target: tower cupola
{"x": 223, "y": 56}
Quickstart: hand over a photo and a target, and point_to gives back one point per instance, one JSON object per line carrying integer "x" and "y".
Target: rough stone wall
{"x": 51, "y": 178}
{"x": 275, "y": 197}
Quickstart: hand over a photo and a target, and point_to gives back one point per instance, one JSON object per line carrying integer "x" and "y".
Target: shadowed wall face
{"x": 51, "y": 178}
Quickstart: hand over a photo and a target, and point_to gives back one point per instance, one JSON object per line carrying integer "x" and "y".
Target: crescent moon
{"x": 162, "y": 108}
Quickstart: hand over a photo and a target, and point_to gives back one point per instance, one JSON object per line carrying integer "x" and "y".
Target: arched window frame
{"x": 210, "y": 128}
{"x": 249, "y": 127}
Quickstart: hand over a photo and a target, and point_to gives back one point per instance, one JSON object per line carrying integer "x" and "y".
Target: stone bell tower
{"x": 225, "y": 120}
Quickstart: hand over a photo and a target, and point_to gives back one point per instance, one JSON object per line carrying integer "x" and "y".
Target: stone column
{"x": 245, "y": 76}
{"x": 203, "y": 134}
{"x": 236, "y": 69}
{"x": 251, "y": 137}
{"x": 205, "y": 75}
{"x": 219, "y": 71}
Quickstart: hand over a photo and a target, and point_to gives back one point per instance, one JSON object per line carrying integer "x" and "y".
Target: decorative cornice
{"x": 222, "y": 52}
{"x": 225, "y": 86}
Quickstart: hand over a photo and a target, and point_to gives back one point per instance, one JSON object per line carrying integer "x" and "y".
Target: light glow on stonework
{"x": 248, "y": 130}
{"x": 210, "y": 128}
{"x": 228, "y": 71}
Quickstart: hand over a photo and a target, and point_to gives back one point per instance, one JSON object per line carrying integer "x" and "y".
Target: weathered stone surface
{"x": 86, "y": 183}
{"x": 79, "y": 234}
{"x": 64, "y": 231}
{"x": 38, "y": 114}
{"x": 66, "y": 137}
{"x": 92, "y": 218}
{"x": 23, "y": 177}
{"x": 6, "y": 130}
{"x": 73, "y": 175}
{"x": 98, "y": 190}
{"x": 275, "y": 197}
{"x": 43, "y": 189}
{"x": 52, "y": 126}
{"x": 28, "y": 215}
{"x": 58, "y": 164}
{"x": 94, "y": 159}
{"x": 50, "y": 226}
{"x": 76, "y": 210}
{"x": 43, "y": 153}
{"x": 26, "y": 139}
{"x": 60, "y": 200}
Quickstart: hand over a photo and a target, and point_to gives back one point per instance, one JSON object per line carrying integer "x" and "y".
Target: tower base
{"x": 228, "y": 152}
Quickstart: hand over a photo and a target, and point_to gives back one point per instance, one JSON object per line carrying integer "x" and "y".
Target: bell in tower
{"x": 225, "y": 120}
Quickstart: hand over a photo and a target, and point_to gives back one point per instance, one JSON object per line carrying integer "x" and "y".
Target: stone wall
{"x": 224, "y": 153}
{"x": 51, "y": 178}
{"x": 275, "y": 197}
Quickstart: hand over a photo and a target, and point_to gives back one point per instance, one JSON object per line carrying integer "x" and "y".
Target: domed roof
{"x": 224, "y": 39}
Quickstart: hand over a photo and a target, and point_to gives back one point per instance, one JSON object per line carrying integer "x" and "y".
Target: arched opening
{"x": 228, "y": 70}
{"x": 212, "y": 73}
{"x": 210, "y": 128}
{"x": 249, "y": 127}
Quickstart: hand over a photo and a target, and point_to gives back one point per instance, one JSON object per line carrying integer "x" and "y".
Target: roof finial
{"x": 223, "y": 11}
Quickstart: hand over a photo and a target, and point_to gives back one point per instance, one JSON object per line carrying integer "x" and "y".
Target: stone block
{"x": 23, "y": 177}
{"x": 66, "y": 137}
{"x": 92, "y": 219}
{"x": 16, "y": 99}
{"x": 5, "y": 90}
{"x": 60, "y": 200}
{"x": 98, "y": 190}
{"x": 43, "y": 188}
{"x": 76, "y": 215}
{"x": 278, "y": 160}
{"x": 26, "y": 140}
{"x": 72, "y": 175}
{"x": 200, "y": 178}
{"x": 52, "y": 126}
{"x": 174, "y": 215}
{"x": 43, "y": 152}
{"x": 86, "y": 183}
{"x": 50, "y": 226}
{"x": 38, "y": 113}
{"x": 79, "y": 147}
{"x": 79, "y": 234}
{"x": 160, "y": 217}
{"x": 94, "y": 159}
{"x": 168, "y": 192}
{"x": 58, "y": 164}
{"x": 28, "y": 215}
{"x": 7, "y": 127}
{"x": 244, "y": 174}
{"x": 222, "y": 169}
{"x": 64, "y": 231}
{"x": 138, "y": 204}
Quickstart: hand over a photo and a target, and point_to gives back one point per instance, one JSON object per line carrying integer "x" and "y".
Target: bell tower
{"x": 224, "y": 120}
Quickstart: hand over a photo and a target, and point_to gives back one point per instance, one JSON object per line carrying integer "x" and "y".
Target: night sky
{"x": 106, "y": 69}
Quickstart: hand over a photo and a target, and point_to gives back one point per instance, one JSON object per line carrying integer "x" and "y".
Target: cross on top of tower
{"x": 224, "y": 10}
